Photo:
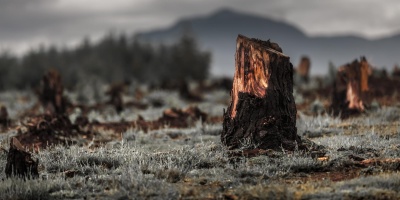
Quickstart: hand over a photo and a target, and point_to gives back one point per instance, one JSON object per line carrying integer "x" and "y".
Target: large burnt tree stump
{"x": 350, "y": 89}
{"x": 20, "y": 162}
{"x": 262, "y": 112}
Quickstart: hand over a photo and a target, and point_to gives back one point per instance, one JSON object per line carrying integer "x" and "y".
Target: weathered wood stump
{"x": 396, "y": 71}
{"x": 351, "y": 88}
{"x": 303, "y": 69}
{"x": 115, "y": 92}
{"x": 262, "y": 112}
{"x": 4, "y": 120}
{"x": 20, "y": 162}
{"x": 51, "y": 94}
{"x": 186, "y": 93}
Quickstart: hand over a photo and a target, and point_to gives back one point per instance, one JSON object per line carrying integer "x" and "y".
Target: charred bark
{"x": 351, "y": 88}
{"x": 262, "y": 112}
{"x": 20, "y": 162}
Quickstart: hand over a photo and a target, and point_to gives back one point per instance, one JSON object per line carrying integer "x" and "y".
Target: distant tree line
{"x": 113, "y": 58}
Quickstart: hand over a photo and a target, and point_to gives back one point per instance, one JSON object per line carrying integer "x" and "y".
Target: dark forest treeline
{"x": 113, "y": 58}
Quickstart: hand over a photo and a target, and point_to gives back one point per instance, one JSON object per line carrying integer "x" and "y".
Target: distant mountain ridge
{"x": 217, "y": 32}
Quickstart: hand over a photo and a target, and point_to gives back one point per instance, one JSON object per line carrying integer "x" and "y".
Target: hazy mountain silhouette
{"x": 218, "y": 31}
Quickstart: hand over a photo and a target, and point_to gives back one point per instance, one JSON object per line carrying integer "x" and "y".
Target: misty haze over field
{"x": 337, "y": 31}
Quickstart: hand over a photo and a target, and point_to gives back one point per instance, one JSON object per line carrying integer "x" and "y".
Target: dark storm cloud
{"x": 361, "y": 17}
{"x": 27, "y": 23}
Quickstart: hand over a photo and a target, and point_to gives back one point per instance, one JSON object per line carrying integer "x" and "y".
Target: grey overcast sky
{"x": 27, "y": 23}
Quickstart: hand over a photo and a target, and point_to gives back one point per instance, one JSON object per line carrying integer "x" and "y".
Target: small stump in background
{"x": 115, "y": 92}
{"x": 303, "y": 69}
{"x": 4, "y": 120}
{"x": 262, "y": 112}
{"x": 51, "y": 94}
{"x": 351, "y": 88}
{"x": 396, "y": 71}
{"x": 187, "y": 94}
{"x": 20, "y": 162}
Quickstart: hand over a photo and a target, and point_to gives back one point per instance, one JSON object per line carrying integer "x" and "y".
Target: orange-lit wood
{"x": 262, "y": 109}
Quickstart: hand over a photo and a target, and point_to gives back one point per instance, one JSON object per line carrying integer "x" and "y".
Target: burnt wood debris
{"x": 262, "y": 111}
{"x": 53, "y": 124}
{"x": 20, "y": 162}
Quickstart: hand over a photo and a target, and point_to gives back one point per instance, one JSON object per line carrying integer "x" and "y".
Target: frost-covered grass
{"x": 191, "y": 163}
{"x": 316, "y": 126}
{"x": 155, "y": 166}
{"x": 383, "y": 186}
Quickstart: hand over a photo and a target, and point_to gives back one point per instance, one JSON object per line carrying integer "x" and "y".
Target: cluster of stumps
{"x": 261, "y": 114}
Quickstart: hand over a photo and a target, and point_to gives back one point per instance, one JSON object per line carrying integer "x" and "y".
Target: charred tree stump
{"x": 51, "y": 94}
{"x": 20, "y": 162}
{"x": 186, "y": 93}
{"x": 262, "y": 111}
{"x": 4, "y": 120}
{"x": 351, "y": 88}
{"x": 303, "y": 69}
{"x": 115, "y": 92}
{"x": 396, "y": 71}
